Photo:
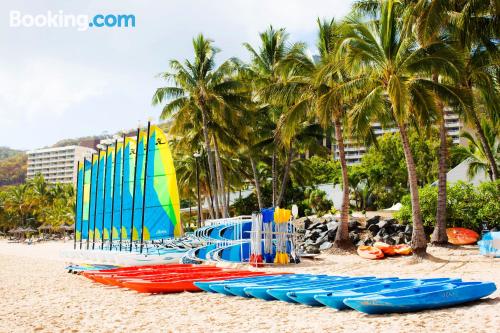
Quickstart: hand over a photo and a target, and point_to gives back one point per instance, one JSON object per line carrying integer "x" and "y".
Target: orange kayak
{"x": 461, "y": 236}
{"x": 113, "y": 279}
{"x": 181, "y": 285}
{"x": 386, "y": 248}
{"x": 370, "y": 252}
{"x": 402, "y": 249}
{"x": 104, "y": 276}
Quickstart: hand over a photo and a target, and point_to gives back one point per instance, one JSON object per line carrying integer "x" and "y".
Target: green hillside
{"x": 13, "y": 169}
{"x": 6, "y": 152}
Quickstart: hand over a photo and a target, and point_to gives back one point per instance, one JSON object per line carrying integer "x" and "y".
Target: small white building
{"x": 459, "y": 173}
{"x": 57, "y": 165}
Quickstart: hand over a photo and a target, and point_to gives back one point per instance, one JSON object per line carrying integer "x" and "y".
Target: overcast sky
{"x": 58, "y": 83}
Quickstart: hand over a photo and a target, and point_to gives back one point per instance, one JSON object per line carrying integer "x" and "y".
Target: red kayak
{"x": 155, "y": 277}
{"x": 152, "y": 274}
{"x": 181, "y": 285}
{"x": 138, "y": 268}
{"x": 102, "y": 277}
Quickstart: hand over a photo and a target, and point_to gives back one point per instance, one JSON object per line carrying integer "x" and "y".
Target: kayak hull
{"x": 461, "y": 236}
{"x": 421, "y": 298}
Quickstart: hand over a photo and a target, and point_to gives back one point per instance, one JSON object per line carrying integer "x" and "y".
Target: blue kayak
{"x": 422, "y": 297}
{"x": 282, "y": 293}
{"x": 231, "y": 288}
{"x": 336, "y": 299}
{"x": 306, "y": 297}
{"x": 260, "y": 291}
{"x": 238, "y": 289}
{"x": 205, "y": 285}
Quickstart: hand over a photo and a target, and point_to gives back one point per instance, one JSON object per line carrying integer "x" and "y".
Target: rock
{"x": 308, "y": 242}
{"x": 407, "y": 238}
{"x": 331, "y": 234}
{"x": 321, "y": 226}
{"x": 389, "y": 230}
{"x": 323, "y": 237}
{"x": 354, "y": 225}
{"x": 360, "y": 243}
{"x": 400, "y": 238}
{"x": 383, "y": 224}
{"x": 374, "y": 229}
{"x": 314, "y": 235}
{"x": 317, "y": 220}
{"x": 325, "y": 246}
{"x": 408, "y": 229}
{"x": 312, "y": 249}
{"x": 333, "y": 225}
{"x": 389, "y": 240}
{"x": 391, "y": 221}
{"x": 328, "y": 218}
{"x": 378, "y": 238}
{"x": 373, "y": 220}
{"x": 397, "y": 240}
{"x": 354, "y": 237}
{"x": 307, "y": 223}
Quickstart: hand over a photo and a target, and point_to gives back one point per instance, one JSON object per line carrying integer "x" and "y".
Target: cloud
{"x": 61, "y": 83}
{"x": 45, "y": 88}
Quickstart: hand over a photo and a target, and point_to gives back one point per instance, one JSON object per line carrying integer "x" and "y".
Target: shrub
{"x": 467, "y": 206}
{"x": 317, "y": 202}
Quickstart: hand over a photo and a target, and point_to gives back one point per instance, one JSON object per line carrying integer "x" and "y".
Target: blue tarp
{"x": 490, "y": 244}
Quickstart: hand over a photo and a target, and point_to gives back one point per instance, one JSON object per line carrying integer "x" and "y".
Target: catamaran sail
{"x": 114, "y": 191}
{"x": 162, "y": 215}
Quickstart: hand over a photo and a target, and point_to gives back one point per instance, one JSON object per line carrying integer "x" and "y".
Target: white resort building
{"x": 354, "y": 151}
{"x": 57, "y": 165}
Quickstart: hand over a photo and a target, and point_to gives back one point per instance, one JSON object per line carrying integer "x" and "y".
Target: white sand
{"x": 36, "y": 294}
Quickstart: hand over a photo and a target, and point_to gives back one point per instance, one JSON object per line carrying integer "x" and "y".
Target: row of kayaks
{"x": 172, "y": 278}
{"x": 364, "y": 293}
{"x": 367, "y": 294}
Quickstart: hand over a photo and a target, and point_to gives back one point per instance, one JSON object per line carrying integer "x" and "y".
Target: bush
{"x": 466, "y": 206}
{"x": 317, "y": 202}
{"x": 293, "y": 195}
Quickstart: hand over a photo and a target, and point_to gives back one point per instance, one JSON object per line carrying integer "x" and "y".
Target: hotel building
{"x": 57, "y": 165}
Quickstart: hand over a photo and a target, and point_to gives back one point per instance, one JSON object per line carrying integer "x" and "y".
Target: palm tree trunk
{"x": 286, "y": 174}
{"x": 439, "y": 235}
{"x": 342, "y": 240}
{"x": 418, "y": 239}
{"x": 484, "y": 143}
{"x": 220, "y": 173}
{"x": 257, "y": 182}
{"x": 273, "y": 175}
{"x": 210, "y": 203}
{"x": 211, "y": 168}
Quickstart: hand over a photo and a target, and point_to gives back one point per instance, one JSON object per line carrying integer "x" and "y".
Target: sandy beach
{"x": 36, "y": 294}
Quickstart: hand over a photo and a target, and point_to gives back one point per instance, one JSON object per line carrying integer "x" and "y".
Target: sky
{"x": 59, "y": 82}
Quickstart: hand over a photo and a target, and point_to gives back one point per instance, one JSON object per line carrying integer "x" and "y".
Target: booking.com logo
{"x": 60, "y": 20}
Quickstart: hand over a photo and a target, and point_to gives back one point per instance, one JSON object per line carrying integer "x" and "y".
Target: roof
{"x": 459, "y": 173}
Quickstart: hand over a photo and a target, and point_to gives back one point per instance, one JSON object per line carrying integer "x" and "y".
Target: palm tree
{"x": 430, "y": 30}
{"x": 200, "y": 87}
{"x": 474, "y": 153}
{"x": 319, "y": 92}
{"x": 394, "y": 70}
{"x": 265, "y": 71}
{"x": 475, "y": 28}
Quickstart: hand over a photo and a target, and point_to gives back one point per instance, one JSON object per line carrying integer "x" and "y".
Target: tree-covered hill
{"x": 13, "y": 169}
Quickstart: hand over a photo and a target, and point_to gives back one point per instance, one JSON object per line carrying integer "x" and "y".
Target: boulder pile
{"x": 318, "y": 233}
